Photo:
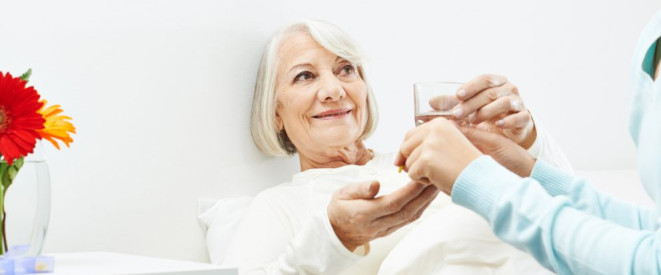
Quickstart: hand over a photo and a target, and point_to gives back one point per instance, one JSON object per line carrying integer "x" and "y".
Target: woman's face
{"x": 321, "y": 97}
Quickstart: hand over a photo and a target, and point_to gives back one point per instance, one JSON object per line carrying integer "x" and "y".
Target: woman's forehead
{"x": 300, "y": 47}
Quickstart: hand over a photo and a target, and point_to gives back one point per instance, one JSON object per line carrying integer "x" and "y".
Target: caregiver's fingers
{"x": 484, "y": 140}
{"x": 483, "y": 98}
{"x": 503, "y": 150}
{"x": 418, "y": 166}
{"x": 443, "y": 102}
{"x": 412, "y": 139}
{"x": 498, "y": 108}
{"x": 518, "y": 120}
{"x": 479, "y": 84}
{"x": 413, "y": 157}
{"x": 417, "y": 135}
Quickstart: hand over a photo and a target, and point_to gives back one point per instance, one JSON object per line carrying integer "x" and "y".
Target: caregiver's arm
{"x": 520, "y": 211}
{"x": 561, "y": 237}
{"x": 585, "y": 197}
{"x": 557, "y": 181}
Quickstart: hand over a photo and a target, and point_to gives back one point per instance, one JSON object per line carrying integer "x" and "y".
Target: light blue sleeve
{"x": 586, "y": 198}
{"x": 561, "y": 237}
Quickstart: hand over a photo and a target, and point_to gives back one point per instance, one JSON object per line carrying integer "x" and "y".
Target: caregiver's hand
{"x": 435, "y": 153}
{"x": 493, "y": 103}
{"x": 504, "y": 151}
{"x": 358, "y": 217}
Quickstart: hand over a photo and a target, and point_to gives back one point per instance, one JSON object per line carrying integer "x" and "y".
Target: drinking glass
{"x": 434, "y": 99}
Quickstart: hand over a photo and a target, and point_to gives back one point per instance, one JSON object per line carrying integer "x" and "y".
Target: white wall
{"x": 160, "y": 92}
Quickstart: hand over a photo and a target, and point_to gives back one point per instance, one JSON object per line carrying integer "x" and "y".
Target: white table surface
{"x": 102, "y": 263}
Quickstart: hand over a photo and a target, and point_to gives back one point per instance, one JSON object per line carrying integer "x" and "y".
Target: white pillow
{"x": 219, "y": 220}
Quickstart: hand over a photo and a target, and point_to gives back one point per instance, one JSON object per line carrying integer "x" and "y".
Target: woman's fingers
{"x": 397, "y": 200}
{"x": 410, "y": 212}
{"x": 353, "y": 212}
{"x": 410, "y": 219}
{"x": 359, "y": 190}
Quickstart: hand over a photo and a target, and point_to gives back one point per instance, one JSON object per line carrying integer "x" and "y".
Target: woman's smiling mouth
{"x": 333, "y": 114}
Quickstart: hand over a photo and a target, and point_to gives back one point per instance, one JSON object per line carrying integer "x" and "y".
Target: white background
{"x": 160, "y": 92}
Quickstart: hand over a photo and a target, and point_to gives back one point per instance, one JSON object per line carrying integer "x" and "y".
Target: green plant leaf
{"x": 26, "y": 75}
{"x": 8, "y": 172}
{"x": 4, "y": 177}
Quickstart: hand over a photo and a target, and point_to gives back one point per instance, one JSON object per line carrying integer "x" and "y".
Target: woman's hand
{"x": 435, "y": 153}
{"x": 358, "y": 217}
{"x": 493, "y": 103}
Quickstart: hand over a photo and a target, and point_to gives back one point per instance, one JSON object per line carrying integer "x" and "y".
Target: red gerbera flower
{"x": 19, "y": 118}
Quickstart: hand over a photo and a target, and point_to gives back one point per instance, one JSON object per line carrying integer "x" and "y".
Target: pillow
{"x": 219, "y": 220}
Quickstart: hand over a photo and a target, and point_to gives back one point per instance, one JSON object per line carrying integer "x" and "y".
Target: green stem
{"x": 4, "y": 220}
{"x": 4, "y": 215}
{"x": 7, "y": 175}
{"x": 2, "y": 211}
{"x": 3, "y": 243}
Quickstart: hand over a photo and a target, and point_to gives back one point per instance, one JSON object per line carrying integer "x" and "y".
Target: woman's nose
{"x": 330, "y": 89}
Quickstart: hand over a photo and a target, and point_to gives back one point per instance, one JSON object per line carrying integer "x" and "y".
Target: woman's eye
{"x": 302, "y": 76}
{"x": 348, "y": 70}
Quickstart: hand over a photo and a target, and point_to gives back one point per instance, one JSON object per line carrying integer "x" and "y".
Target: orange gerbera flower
{"x": 56, "y": 126}
{"x": 19, "y": 119}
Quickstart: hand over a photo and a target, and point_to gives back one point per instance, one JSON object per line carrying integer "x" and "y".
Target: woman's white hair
{"x": 263, "y": 125}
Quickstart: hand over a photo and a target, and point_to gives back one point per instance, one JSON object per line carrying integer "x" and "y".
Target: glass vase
{"x": 27, "y": 204}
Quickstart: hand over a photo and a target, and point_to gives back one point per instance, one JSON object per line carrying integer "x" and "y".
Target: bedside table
{"x": 106, "y": 263}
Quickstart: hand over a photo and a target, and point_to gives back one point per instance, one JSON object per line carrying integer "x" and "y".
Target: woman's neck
{"x": 355, "y": 154}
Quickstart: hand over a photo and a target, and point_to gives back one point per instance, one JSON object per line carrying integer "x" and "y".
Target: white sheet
{"x": 456, "y": 241}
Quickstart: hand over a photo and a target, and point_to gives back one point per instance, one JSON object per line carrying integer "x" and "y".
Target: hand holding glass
{"x": 434, "y": 99}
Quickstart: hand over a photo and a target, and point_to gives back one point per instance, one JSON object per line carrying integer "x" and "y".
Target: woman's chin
{"x": 338, "y": 138}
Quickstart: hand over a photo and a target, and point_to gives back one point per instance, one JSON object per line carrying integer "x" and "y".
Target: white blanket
{"x": 456, "y": 241}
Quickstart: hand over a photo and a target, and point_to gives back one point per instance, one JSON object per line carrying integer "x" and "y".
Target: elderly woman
{"x": 312, "y": 98}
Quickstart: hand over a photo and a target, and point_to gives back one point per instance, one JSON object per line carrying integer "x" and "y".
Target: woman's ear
{"x": 278, "y": 122}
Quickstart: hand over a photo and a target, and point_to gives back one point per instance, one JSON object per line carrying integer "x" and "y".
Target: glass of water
{"x": 434, "y": 99}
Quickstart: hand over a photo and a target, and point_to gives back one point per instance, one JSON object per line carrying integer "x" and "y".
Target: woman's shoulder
{"x": 276, "y": 202}
{"x": 278, "y": 191}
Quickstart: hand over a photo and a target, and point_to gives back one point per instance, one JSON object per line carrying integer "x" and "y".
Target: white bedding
{"x": 456, "y": 241}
